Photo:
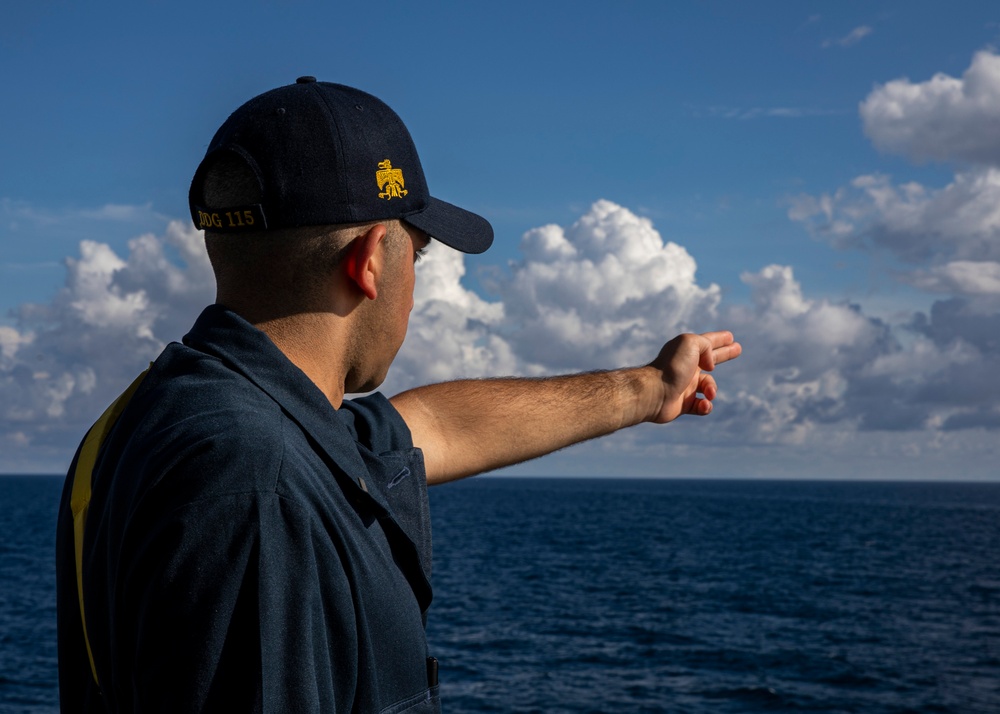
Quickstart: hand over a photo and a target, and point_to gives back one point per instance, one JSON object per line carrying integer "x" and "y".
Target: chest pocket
{"x": 403, "y": 483}
{"x": 398, "y": 481}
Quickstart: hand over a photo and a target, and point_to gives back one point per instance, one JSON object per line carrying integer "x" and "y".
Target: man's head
{"x": 313, "y": 202}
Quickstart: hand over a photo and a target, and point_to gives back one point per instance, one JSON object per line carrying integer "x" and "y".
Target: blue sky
{"x": 779, "y": 146}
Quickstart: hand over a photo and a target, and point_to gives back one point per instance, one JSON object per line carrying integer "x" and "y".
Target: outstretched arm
{"x": 470, "y": 426}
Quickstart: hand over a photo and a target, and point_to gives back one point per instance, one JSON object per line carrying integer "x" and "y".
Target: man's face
{"x": 406, "y": 246}
{"x": 389, "y": 314}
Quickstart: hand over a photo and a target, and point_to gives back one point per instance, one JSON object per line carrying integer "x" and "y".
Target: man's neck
{"x": 315, "y": 343}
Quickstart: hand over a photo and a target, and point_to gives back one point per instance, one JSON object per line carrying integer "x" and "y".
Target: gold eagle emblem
{"x": 390, "y": 181}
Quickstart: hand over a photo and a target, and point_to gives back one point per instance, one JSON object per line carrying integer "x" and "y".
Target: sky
{"x": 821, "y": 178}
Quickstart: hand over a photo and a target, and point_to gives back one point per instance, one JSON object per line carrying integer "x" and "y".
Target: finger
{"x": 716, "y": 348}
{"x": 707, "y": 387}
{"x": 727, "y": 352}
{"x": 706, "y": 356}
{"x": 719, "y": 338}
{"x": 701, "y": 407}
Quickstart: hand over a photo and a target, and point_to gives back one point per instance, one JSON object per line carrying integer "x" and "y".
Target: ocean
{"x": 625, "y": 595}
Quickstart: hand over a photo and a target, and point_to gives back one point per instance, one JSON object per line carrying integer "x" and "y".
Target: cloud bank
{"x": 944, "y": 240}
{"x": 608, "y": 290}
{"x": 64, "y": 361}
{"x": 604, "y": 292}
{"x": 822, "y": 382}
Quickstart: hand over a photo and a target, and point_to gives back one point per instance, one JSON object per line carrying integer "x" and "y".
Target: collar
{"x": 222, "y": 333}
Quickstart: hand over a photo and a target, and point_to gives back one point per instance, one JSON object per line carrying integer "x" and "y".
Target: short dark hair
{"x": 277, "y": 262}
{"x": 280, "y": 265}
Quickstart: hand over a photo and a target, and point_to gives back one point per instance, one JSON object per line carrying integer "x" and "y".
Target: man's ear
{"x": 364, "y": 260}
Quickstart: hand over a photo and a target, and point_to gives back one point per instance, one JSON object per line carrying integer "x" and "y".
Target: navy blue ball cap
{"x": 316, "y": 153}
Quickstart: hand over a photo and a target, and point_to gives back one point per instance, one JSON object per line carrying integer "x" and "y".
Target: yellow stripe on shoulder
{"x": 80, "y": 495}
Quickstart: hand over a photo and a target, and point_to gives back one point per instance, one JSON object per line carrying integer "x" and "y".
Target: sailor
{"x": 236, "y": 535}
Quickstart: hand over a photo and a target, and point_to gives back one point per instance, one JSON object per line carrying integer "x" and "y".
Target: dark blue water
{"x": 28, "y": 507}
{"x": 649, "y": 596}
{"x": 626, "y": 596}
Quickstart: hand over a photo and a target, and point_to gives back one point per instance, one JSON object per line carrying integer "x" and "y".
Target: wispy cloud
{"x": 118, "y": 212}
{"x": 38, "y": 265}
{"x": 811, "y": 20}
{"x": 15, "y": 213}
{"x": 851, "y": 38}
{"x": 747, "y": 113}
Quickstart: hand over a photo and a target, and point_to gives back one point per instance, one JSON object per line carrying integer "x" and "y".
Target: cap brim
{"x": 453, "y": 226}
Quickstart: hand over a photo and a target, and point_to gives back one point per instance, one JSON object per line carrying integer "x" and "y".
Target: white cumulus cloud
{"x": 452, "y": 330}
{"x": 63, "y": 361}
{"x": 801, "y": 359}
{"x": 914, "y": 223}
{"x": 960, "y": 277}
{"x": 602, "y": 292}
{"x": 944, "y": 118}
